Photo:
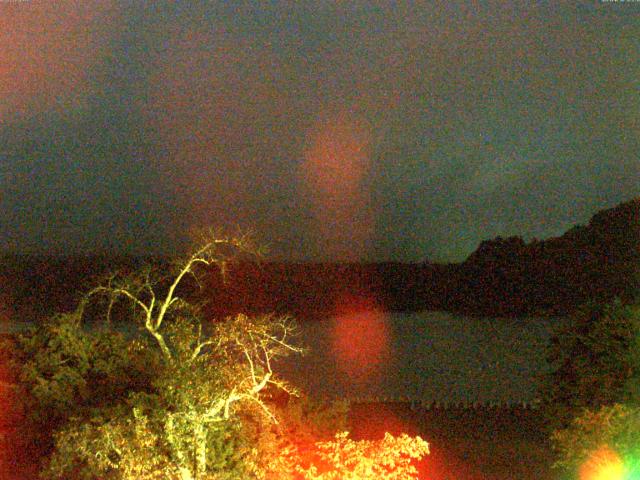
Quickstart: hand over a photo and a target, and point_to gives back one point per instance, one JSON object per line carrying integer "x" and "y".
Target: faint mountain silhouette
{"x": 502, "y": 277}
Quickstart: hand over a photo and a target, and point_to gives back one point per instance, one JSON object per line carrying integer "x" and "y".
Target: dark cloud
{"x": 124, "y": 125}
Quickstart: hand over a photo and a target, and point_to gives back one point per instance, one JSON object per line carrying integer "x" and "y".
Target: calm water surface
{"x": 423, "y": 356}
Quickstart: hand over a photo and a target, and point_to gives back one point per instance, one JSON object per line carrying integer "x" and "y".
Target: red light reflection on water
{"x": 360, "y": 339}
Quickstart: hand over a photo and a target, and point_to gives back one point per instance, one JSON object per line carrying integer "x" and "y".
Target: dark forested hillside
{"x": 503, "y": 277}
{"x": 597, "y": 261}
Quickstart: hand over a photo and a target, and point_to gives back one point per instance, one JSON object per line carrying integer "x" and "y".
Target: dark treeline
{"x": 503, "y": 277}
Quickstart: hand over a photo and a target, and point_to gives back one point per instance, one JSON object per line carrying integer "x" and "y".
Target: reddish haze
{"x": 46, "y": 55}
{"x": 360, "y": 338}
{"x": 7, "y": 420}
{"x": 334, "y": 172}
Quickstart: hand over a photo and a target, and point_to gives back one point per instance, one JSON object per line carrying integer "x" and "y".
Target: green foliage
{"x": 595, "y": 361}
{"x": 134, "y": 442}
{"x": 594, "y": 392}
{"x": 64, "y": 370}
{"x": 615, "y": 428}
{"x": 185, "y": 424}
{"x": 301, "y": 423}
{"x": 307, "y": 420}
{"x": 345, "y": 459}
{"x": 178, "y": 399}
{"x": 164, "y": 401}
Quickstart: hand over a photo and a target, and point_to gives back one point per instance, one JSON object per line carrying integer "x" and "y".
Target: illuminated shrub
{"x": 601, "y": 445}
{"x": 345, "y": 459}
{"x": 164, "y": 401}
{"x": 592, "y": 395}
{"x": 178, "y": 399}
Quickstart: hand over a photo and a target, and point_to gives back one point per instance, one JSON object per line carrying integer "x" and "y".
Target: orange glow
{"x": 336, "y": 162}
{"x": 360, "y": 340}
{"x": 337, "y": 159}
{"x": 603, "y": 464}
{"x": 47, "y": 50}
{"x": 7, "y": 417}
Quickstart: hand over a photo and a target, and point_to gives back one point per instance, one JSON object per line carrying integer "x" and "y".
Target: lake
{"x": 421, "y": 357}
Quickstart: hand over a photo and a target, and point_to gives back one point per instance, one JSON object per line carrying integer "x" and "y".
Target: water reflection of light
{"x": 360, "y": 340}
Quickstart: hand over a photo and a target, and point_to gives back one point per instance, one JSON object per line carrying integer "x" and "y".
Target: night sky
{"x": 335, "y": 130}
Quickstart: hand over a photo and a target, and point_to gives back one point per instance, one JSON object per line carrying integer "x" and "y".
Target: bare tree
{"x": 202, "y": 374}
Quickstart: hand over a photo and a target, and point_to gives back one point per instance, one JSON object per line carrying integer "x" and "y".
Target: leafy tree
{"x": 172, "y": 397}
{"x": 594, "y": 392}
{"x": 62, "y": 369}
{"x": 310, "y": 442}
{"x": 301, "y": 423}
{"x": 166, "y": 400}
{"x": 345, "y": 459}
{"x": 600, "y": 442}
{"x": 595, "y": 359}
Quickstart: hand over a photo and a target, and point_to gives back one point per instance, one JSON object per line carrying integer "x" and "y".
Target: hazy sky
{"x": 335, "y": 130}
